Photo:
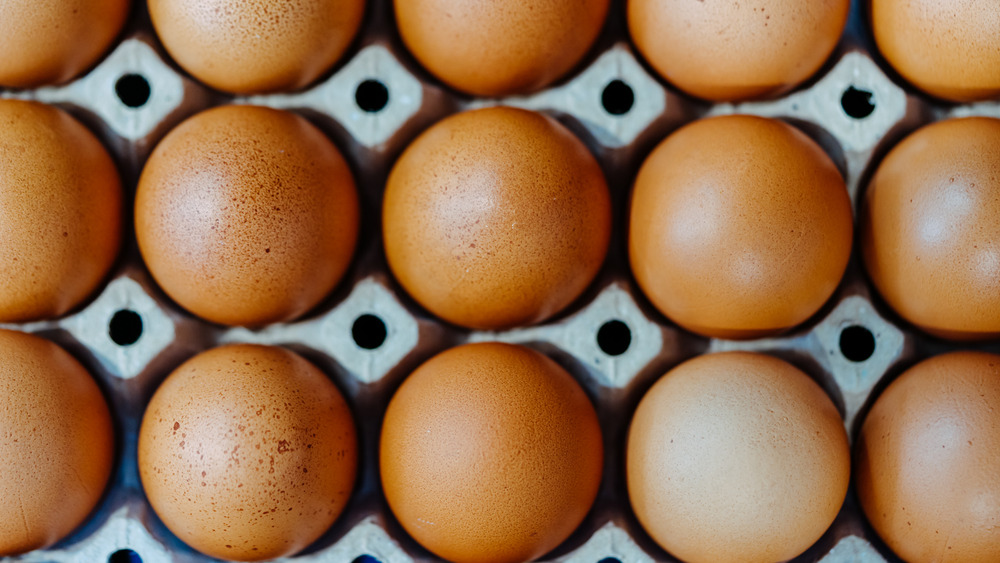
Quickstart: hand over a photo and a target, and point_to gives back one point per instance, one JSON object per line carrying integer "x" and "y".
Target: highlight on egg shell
{"x": 927, "y": 460}
{"x": 490, "y": 453}
{"x": 736, "y": 457}
{"x": 740, "y": 227}
{"x": 247, "y": 215}
{"x": 495, "y": 218}
{"x": 248, "y": 452}
{"x": 57, "y": 443}
{"x": 60, "y": 212}
{"x": 930, "y": 228}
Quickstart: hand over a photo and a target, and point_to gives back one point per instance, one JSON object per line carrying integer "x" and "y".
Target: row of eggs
{"x": 492, "y": 452}
{"x": 740, "y": 226}
{"x": 719, "y": 51}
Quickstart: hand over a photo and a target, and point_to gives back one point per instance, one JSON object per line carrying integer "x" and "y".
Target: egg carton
{"x": 369, "y": 334}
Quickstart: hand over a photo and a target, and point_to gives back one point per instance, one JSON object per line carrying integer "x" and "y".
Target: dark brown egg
{"x": 56, "y": 442}
{"x": 248, "y": 452}
{"x": 496, "y": 218}
{"x": 736, "y": 457}
{"x": 931, "y": 228}
{"x": 740, "y": 227}
{"x": 247, "y": 215}
{"x": 927, "y": 461}
{"x": 490, "y": 453}
{"x": 60, "y": 212}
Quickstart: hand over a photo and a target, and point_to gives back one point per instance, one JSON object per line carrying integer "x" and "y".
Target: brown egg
{"x": 928, "y": 461}
{"x": 736, "y": 457}
{"x": 60, "y": 212}
{"x": 740, "y": 227}
{"x": 496, "y": 218}
{"x": 490, "y": 453}
{"x": 947, "y": 48}
{"x": 247, "y": 215}
{"x": 931, "y": 228}
{"x": 256, "y": 46}
{"x": 730, "y": 51}
{"x": 56, "y": 442}
{"x": 501, "y": 47}
{"x": 53, "y": 41}
{"x": 248, "y": 452}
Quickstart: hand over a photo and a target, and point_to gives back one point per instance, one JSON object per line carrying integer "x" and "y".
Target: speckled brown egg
{"x": 927, "y": 461}
{"x": 730, "y": 51}
{"x": 248, "y": 452}
{"x": 496, "y": 218}
{"x": 931, "y": 228}
{"x": 256, "y": 46}
{"x": 56, "y": 442}
{"x": 502, "y": 47}
{"x": 60, "y": 212}
{"x": 490, "y": 453}
{"x": 247, "y": 215}
{"x": 736, "y": 457}
{"x": 52, "y": 41}
{"x": 740, "y": 227}
{"x": 947, "y": 48}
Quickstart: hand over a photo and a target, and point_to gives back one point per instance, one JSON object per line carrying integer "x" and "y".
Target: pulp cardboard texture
{"x": 856, "y": 107}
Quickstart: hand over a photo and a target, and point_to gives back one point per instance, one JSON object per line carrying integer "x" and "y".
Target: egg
{"x": 930, "y": 228}
{"x": 740, "y": 227}
{"x": 56, "y": 441}
{"x": 247, "y": 215}
{"x": 736, "y": 457}
{"x": 248, "y": 452}
{"x": 54, "y": 41}
{"x": 928, "y": 460}
{"x": 496, "y": 218}
{"x": 256, "y": 46}
{"x": 60, "y": 212}
{"x": 732, "y": 51}
{"x": 490, "y": 453}
{"x": 502, "y": 47}
{"x": 950, "y": 49}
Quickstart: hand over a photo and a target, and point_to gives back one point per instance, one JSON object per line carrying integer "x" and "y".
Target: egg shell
{"x": 947, "y": 48}
{"x": 731, "y": 51}
{"x": 490, "y": 453}
{"x": 740, "y": 227}
{"x": 248, "y": 452}
{"x": 60, "y": 212}
{"x": 496, "y": 218}
{"x": 502, "y": 47}
{"x": 52, "y": 41}
{"x": 256, "y": 46}
{"x": 56, "y": 441}
{"x": 736, "y": 457}
{"x": 247, "y": 215}
{"x": 927, "y": 461}
{"x": 931, "y": 228}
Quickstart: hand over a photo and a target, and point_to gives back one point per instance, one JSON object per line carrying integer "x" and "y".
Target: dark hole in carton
{"x": 365, "y": 559}
{"x": 133, "y": 90}
{"x": 617, "y": 98}
{"x": 124, "y": 556}
{"x": 125, "y": 327}
{"x": 858, "y": 104}
{"x": 368, "y": 332}
{"x": 614, "y": 338}
{"x": 857, "y": 343}
{"x": 610, "y": 560}
{"x": 371, "y": 96}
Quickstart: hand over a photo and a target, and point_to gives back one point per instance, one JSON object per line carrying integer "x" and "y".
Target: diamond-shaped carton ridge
{"x": 340, "y": 96}
{"x": 119, "y": 532}
{"x": 581, "y": 335}
{"x": 124, "y": 328}
{"x": 367, "y": 538}
{"x": 98, "y": 90}
{"x": 609, "y": 542}
{"x": 853, "y": 549}
{"x": 335, "y": 333}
